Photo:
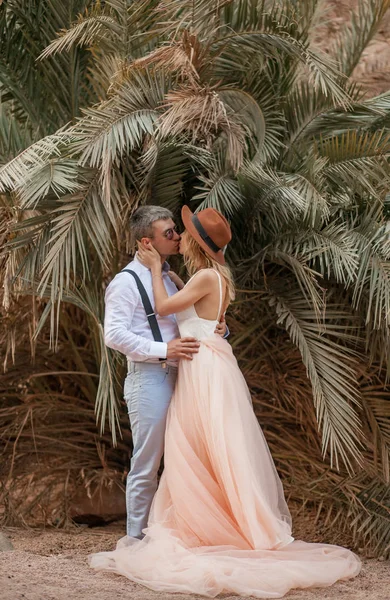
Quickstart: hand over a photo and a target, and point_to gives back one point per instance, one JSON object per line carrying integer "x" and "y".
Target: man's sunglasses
{"x": 169, "y": 233}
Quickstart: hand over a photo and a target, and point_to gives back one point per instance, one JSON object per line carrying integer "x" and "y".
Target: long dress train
{"x": 219, "y": 521}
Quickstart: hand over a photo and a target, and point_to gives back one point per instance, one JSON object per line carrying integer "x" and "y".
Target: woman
{"x": 219, "y": 521}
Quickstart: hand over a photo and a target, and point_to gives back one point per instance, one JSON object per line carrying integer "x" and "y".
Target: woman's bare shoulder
{"x": 204, "y": 276}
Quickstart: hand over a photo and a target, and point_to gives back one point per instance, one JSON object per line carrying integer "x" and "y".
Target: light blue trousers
{"x": 147, "y": 392}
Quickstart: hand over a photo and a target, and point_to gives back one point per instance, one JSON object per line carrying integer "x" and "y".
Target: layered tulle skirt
{"x": 219, "y": 521}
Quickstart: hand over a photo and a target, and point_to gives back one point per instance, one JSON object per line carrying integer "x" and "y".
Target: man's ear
{"x": 144, "y": 241}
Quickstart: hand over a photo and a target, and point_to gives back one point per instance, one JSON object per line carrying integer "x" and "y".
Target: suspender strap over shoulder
{"x": 147, "y": 306}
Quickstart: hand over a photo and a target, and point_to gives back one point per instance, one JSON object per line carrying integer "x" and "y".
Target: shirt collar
{"x": 165, "y": 266}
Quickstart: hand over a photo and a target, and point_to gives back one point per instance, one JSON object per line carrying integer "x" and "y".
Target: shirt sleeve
{"x": 120, "y": 301}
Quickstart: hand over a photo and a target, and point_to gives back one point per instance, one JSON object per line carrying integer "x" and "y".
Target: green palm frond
{"x": 13, "y": 134}
{"x": 262, "y": 83}
{"x": 322, "y": 73}
{"x": 220, "y": 191}
{"x": 61, "y": 237}
{"x": 20, "y": 97}
{"x": 198, "y": 16}
{"x": 309, "y": 183}
{"x": 165, "y": 166}
{"x": 372, "y": 523}
{"x": 45, "y": 94}
{"x": 380, "y": 107}
{"x": 358, "y": 161}
{"x": 305, "y": 111}
{"x": 100, "y": 29}
{"x": 18, "y": 170}
{"x": 305, "y": 277}
{"x": 77, "y": 213}
{"x": 331, "y": 251}
{"x": 119, "y": 124}
{"x": 293, "y": 17}
{"x": 57, "y": 176}
{"x": 358, "y": 32}
{"x": 372, "y": 114}
{"x": 106, "y": 402}
{"x": 330, "y": 370}
{"x": 249, "y": 113}
{"x": 373, "y": 276}
{"x": 272, "y": 193}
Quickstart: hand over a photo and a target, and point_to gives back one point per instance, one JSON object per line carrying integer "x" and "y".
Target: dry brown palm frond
{"x": 200, "y": 113}
{"x": 186, "y": 57}
{"x": 52, "y": 443}
{"x": 376, "y": 417}
{"x": 48, "y": 428}
{"x": 51, "y": 448}
{"x": 7, "y": 217}
{"x": 354, "y": 505}
{"x": 203, "y": 16}
{"x": 172, "y": 58}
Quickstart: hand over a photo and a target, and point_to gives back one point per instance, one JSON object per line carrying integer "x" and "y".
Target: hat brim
{"x": 186, "y": 216}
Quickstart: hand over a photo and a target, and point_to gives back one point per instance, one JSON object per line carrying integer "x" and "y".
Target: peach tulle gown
{"x": 219, "y": 521}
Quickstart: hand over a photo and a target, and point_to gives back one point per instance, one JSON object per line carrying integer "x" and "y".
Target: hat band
{"x": 202, "y": 232}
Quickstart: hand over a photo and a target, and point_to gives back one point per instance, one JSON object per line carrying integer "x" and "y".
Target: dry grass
{"x": 52, "y": 448}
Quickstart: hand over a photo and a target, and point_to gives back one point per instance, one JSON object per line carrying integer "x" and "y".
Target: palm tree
{"x": 231, "y": 105}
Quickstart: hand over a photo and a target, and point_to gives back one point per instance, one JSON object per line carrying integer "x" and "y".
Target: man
{"x": 150, "y": 382}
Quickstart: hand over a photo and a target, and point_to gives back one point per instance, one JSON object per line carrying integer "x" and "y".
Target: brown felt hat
{"x": 210, "y": 229}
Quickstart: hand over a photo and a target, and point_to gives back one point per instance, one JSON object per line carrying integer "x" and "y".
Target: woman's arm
{"x": 197, "y": 288}
{"x": 189, "y": 295}
{"x": 179, "y": 283}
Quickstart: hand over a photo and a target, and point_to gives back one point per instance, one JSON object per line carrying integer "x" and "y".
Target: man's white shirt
{"x": 126, "y": 327}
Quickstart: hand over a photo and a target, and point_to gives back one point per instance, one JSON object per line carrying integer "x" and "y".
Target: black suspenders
{"x": 148, "y": 308}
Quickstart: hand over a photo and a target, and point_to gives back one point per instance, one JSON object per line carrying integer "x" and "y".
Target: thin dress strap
{"x": 220, "y": 293}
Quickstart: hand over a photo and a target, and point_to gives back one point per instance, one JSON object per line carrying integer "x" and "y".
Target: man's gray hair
{"x": 142, "y": 219}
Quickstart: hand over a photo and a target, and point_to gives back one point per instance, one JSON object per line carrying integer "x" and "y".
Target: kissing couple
{"x": 219, "y": 522}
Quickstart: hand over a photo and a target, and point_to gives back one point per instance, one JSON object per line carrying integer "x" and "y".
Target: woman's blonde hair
{"x": 195, "y": 258}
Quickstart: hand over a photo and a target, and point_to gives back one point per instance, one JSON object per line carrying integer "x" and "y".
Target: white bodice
{"x": 191, "y": 325}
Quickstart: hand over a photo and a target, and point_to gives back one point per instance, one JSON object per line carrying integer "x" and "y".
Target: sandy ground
{"x": 52, "y": 565}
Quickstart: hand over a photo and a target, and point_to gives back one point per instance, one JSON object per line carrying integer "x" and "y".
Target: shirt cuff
{"x": 227, "y": 333}
{"x": 158, "y": 350}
